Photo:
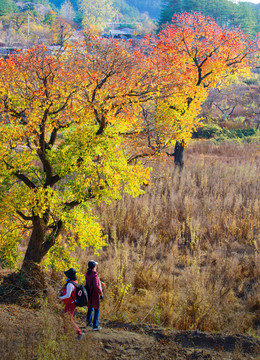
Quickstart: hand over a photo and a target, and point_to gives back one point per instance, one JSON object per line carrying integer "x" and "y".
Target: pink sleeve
{"x": 96, "y": 284}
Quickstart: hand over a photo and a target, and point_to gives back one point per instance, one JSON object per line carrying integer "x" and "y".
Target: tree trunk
{"x": 34, "y": 252}
{"x": 43, "y": 237}
{"x": 178, "y": 153}
{"x": 41, "y": 240}
{"x": 28, "y": 285}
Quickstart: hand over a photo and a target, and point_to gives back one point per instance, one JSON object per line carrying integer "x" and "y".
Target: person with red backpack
{"x": 68, "y": 294}
{"x": 94, "y": 286}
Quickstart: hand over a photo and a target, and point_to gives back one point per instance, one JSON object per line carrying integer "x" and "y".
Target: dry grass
{"x": 186, "y": 253}
{"x": 41, "y": 335}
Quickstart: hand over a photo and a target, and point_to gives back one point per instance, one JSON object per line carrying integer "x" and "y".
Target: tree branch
{"x": 100, "y": 84}
{"x": 53, "y": 138}
{"x": 52, "y": 181}
{"x": 63, "y": 106}
{"x": 138, "y": 156}
{"x": 25, "y": 180}
{"x": 24, "y": 217}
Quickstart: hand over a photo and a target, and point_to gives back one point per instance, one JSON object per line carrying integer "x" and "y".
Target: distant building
{"x": 5, "y": 51}
{"x": 121, "y": 33}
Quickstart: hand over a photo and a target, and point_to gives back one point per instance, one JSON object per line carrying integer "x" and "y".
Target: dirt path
{"x": 126, "y": 341}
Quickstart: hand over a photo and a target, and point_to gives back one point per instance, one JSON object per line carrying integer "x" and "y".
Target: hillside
{"x": 146, "y": 15}
{"x": 225, "y": 12}
{"x": 152, "y": 7}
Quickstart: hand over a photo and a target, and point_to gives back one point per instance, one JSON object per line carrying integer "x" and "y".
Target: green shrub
{"x": 207, "y": 132}
{"x": 213, "y": 131}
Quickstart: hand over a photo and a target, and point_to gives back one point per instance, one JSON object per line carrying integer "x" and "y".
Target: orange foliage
{"x": 193, "y": 55}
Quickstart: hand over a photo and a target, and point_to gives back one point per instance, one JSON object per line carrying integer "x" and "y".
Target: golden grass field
{"x": 186, "y": 253}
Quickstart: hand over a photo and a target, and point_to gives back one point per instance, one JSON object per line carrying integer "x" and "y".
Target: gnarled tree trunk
{"x": 41, "y": 240}
{"x": 28, "y": 285}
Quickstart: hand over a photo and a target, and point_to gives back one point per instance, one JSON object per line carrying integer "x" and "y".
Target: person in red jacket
{"x": 68, "y": 295}
{"x": 95, "y": 291}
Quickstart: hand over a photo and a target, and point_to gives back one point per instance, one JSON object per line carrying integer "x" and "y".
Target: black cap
{"x": 92, "y": 264}
{"x": 71, "y": 274}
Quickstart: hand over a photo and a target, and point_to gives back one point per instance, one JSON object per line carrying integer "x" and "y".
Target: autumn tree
{"x": 196, "y": 55}
{"x": 62, "y": 120}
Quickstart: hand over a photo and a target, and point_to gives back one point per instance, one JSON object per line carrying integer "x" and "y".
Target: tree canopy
{"x": 60, "y": 144}
{"x": 192, "y": 54}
